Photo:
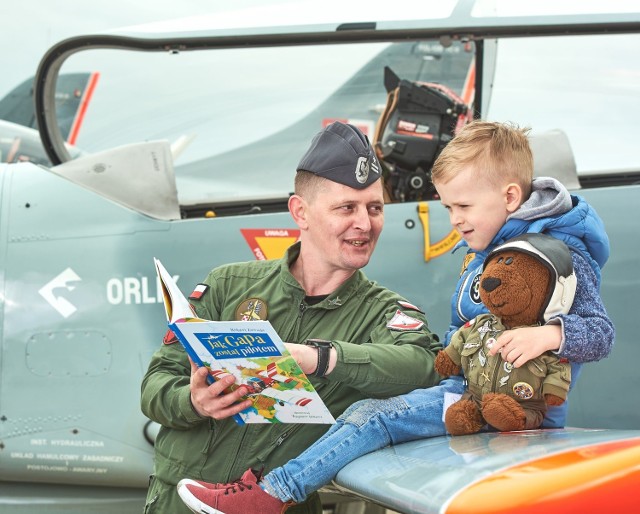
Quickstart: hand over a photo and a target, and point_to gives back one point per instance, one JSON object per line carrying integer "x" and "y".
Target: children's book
{"x": 253, "y": 353}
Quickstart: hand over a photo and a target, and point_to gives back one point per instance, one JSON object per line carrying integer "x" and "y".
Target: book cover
{"x": 251, "y": 351}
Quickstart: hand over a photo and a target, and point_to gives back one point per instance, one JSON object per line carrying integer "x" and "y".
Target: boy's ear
{"x": 298, "y": 210}
{"x": 513, "y": 197}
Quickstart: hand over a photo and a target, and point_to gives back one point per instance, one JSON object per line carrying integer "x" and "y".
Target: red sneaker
{"x": 206, "y": 485}
{"x": 240, "y": 497}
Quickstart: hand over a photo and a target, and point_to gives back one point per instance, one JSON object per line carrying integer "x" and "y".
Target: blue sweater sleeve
{"x": 588, "y": 331}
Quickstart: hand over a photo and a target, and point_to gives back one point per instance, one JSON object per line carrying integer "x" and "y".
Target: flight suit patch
{"x": 169, "y": 337}
{"x": 252, "y": 309}
{"x": 523, "y": 390}
{"x": 198, "y": 292}
{"x": 402, "y": 321}
{"x": 470, "y": 323}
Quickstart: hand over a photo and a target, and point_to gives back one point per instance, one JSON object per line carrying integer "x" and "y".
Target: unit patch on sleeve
{"x": 198, "y": 292}
{"x": 402, "y": 321}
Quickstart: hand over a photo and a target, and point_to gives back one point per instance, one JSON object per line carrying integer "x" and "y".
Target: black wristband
{"x": 324, "y": 351}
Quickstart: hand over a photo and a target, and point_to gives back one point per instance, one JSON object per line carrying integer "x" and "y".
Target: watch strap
{"x": 323, "y": 360}
{"x": 323, "y": 348}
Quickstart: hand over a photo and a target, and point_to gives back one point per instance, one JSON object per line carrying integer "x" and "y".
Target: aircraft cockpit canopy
{"x": 238, "y": 97}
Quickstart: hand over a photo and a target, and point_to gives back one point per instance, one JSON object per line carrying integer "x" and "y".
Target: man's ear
{"x": 513, "y": 197}
{"x": 298, "y": 210}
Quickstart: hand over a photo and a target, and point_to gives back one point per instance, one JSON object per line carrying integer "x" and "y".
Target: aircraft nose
{"x": 490, "y": 283}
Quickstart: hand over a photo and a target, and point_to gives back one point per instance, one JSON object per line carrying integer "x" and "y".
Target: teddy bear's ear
{"x": 540, "y": 281}
{"x": 556, "y": 255}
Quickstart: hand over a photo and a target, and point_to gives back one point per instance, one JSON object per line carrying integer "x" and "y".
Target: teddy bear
{"x": 526, "y": 281}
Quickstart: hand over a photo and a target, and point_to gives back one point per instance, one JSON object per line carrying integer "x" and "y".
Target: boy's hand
{"x": 520, "y": 345}
{"x": 211, "y": 400}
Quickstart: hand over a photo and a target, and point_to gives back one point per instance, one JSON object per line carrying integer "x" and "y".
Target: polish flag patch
{"x": 198, "y": 292}
{"x": 402, "y": 321}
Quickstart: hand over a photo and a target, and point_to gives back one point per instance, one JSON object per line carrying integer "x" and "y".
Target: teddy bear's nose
{"x": 490, "y": 283}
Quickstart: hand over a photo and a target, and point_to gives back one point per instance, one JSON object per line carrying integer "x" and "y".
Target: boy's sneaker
{"x": 240, "y": 497}
{"x": 206, "y": 485}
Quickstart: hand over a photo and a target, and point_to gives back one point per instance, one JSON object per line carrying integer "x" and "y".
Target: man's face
{"x": 477, "y": 208}
{"x": 343, "y": 225}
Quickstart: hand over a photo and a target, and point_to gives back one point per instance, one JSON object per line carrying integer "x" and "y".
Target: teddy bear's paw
{"x": 444, "y": 365}
{"x": 503, "y": 412}
{"x": 553, "y": 400}
{"x": 463, "y": 417}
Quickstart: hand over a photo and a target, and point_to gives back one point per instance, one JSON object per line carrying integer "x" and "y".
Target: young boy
{"x": 484, "y": 177}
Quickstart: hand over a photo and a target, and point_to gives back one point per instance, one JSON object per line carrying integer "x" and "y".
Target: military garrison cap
{"x": 341, "y": 153}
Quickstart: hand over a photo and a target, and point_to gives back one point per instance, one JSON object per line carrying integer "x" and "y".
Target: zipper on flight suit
{"x": 494, "y": 379}
{"x": 294, "y": 335}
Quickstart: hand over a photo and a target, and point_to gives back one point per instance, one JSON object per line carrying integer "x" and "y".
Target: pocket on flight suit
{"x": 161, "y": 498}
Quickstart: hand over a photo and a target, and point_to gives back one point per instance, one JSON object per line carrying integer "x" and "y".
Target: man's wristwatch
{"x": 324, "y": 349}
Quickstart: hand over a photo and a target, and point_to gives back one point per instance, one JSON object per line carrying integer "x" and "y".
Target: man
{"x": 362, "y": 340}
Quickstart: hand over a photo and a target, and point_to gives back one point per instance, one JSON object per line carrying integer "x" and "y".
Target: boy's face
{"x": 477, "y": 209}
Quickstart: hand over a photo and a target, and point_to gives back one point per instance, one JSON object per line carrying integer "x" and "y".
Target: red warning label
{"x": 270, "y": 243}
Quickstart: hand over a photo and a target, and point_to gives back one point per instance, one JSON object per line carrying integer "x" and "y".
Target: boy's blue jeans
{"x": 365, "y": 426}
{"x": 369, "y": 425}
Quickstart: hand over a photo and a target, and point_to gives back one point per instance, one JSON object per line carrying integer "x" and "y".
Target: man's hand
{"x": 520, "y": 345}
{"x": 307, "y": 357}
{"x": 210, "y": 400}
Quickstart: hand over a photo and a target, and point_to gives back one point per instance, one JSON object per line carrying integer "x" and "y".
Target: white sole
{"x": 188, "y": 481}
{"x": 192, "y": 502}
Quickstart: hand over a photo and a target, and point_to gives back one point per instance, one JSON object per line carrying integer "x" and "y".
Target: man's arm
{"x": 398, "y": 357}
{"x": 166, "y": 397}
{"x": 394, "y": 361}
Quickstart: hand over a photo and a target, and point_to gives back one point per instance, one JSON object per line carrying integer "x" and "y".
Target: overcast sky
{"x": 29, "y": 27}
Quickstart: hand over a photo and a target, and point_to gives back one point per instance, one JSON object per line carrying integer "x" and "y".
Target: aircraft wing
{"x": 552, "y": 471}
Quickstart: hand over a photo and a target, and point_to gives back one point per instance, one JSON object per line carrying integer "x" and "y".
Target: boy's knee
{"x": 365, "y": 410}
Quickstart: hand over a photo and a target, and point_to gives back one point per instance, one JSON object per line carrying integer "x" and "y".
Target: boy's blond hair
{"x": 498, "y": 152}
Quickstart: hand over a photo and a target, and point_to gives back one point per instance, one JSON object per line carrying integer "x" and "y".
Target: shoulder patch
{"x": 169, "y": 337}
{"x": 402, "y": 321}
{"x": 410, "y": 306}
{"x": 198, "y": 292}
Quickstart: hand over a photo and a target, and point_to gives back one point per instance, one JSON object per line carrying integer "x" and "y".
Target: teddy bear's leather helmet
{"x": 555, "y": 255}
